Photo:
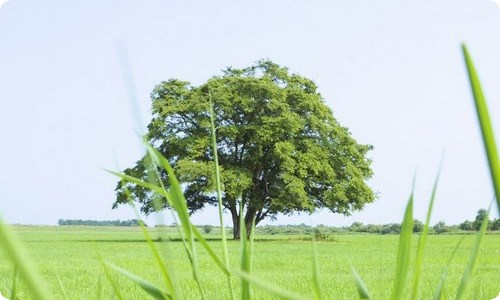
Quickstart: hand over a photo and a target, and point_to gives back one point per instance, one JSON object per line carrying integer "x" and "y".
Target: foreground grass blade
{"x": 439, "y": 289}
{"x": 210, "y": 251}
{"x": 316, "y": 285}
{"x": 360, "y": 285}
{"x": 13, "y": 291}
{"x": 219, "y": 193}
{"x": 150, "y": 288}
{"x": 107, "y": 273}
{"x": 176, "y": 199}
{"x": 422, "y": 241}
{"x": 485, "y": 123}
{"x": 245, "y": 256}
{"x": 403, "y": 258}
{"x": 13, "y": 250}
{"x": 469, "y": 269}
{"x": 270, "y": 288}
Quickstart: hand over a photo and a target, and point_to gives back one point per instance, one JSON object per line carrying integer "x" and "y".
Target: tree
{"x": 280, "y": 148}
{"x": 466, "y": 225}
{"x": 440, "y": 227}
{"x": 480, "y": 216}
{"x": 418, "y": 226}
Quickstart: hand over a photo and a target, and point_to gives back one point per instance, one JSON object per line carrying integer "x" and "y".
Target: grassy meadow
{"x": 67, "y": 257}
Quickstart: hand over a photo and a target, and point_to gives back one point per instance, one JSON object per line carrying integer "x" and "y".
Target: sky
{"x": 75, "y": 79}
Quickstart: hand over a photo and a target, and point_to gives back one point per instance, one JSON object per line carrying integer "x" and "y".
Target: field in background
{"x": 68, "y": 255}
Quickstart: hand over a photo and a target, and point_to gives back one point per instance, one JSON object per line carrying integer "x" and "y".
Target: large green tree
{"x": 280, "y": 148}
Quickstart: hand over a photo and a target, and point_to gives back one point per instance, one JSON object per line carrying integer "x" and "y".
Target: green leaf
{"x": 485, "y": 123}
{"x": 360, "y": 285}
{"x": 423, "y": 240}
{"x": 316, "y": 285}
{"x": 469, "y": 269}
{"x": 150, "y": 288}
{"x": 210, "y": 251}
{"x": 403, "y": 258}
{"x": 219, "y": 194}
{"x": 440, "y": 287}
{"x": 16, "y": 253}
{"x": 270, "y": 288}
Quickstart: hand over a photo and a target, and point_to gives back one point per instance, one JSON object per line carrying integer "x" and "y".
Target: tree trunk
{"x": 236, "y": 225}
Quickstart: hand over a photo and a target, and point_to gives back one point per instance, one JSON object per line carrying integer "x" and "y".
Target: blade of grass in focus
{"x": 469, "y": 269}
{"x": 150, "y": 288}
{"x": 13, "y": 250}
{"x": 422, "y": 241}
{"x": 485, "y": 124}
{"x": 219, "y": 194}
{"x": 404, "y": 248}
{"x": 439, "y": 289}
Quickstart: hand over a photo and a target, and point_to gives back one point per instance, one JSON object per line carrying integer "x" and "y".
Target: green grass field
{"x": 68, "y": 255}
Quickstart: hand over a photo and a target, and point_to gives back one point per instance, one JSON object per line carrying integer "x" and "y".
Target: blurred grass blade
{"x": 13, "y": 291}
{"x": 98, "y": 290}
{"x": 150, "y": 288}
{"x": 360, "y": 285}
{"x": 403, "y": 258}
{"x": 16, "y": 253}
{"x": 219, "y": 193}
{"x": 107, "y": 273}
{"x": 245, "y": 255}
{"x": 176, "y": 199}
{"x": 61, "y": 287}
{"x": 423, "y": 240}
{"x": 469, "y": 269}
{"x": 485, "y": 123}
{"x": 270, "y": 288}
{"x": 210, "y": 251}
{"x": 316, "y": 285}
{"x": 439, "y": 289}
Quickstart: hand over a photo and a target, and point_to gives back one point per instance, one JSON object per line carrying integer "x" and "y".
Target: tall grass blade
{"x": 219, "y": 193}
{"x": 61, "y": 287}
{"x": 315, "y": 277}
{"x": 403, "y": 258}
{"x": 245, "y": 256}
{"x": 210, "y": 251}
{"x": 485, "y": 123}
{"x": 360, "y": 285}
{"x": 271, "y": 288}
{"x": 98, "y": 290}
{"x": 175, "y": 197}
{"x": 111, "y": 280}
{"x": 13, "y": 291}
{"x": 438, "y": 294}
{"x": 150, "y": 288}
{"x": 16, "y": 253}
{"x": 469, "y": 269}
{"x": 422, "y": 241}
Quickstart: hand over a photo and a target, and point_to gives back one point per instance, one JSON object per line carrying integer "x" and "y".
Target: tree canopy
{"x": 280, "y": 148}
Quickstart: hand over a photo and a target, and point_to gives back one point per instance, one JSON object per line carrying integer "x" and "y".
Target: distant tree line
{"x": 125, "y": 223}
{"x": 358, "y": 227}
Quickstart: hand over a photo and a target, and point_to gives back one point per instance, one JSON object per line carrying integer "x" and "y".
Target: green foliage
{"x": 418, "y": 226}
{"x": 279, "y": 147}
{"x": 207, "y": 229}
{"x": 481, "y": 214}
{"x": 440, "y": 227}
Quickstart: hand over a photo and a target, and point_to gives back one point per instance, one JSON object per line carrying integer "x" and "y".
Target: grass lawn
{"x": 66, "y": 257}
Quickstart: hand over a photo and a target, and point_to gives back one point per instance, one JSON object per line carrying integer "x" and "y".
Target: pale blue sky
{"x": 391, "y": 71}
